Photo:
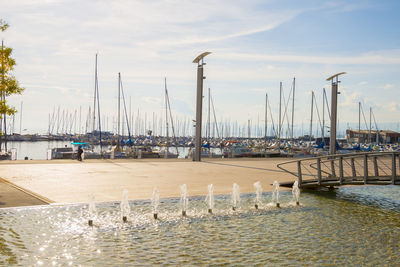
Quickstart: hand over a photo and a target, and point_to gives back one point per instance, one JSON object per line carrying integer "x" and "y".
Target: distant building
{"x": 383, "y": 136}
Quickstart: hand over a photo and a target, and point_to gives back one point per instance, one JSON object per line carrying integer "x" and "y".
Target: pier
{"x": 382, "y": 168}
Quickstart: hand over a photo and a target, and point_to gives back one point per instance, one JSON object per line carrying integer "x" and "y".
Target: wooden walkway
{"x": 379, "y": 168}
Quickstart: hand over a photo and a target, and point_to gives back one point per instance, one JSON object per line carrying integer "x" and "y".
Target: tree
{"x": 3, "y": 25}
{"x": 8, "y": 83}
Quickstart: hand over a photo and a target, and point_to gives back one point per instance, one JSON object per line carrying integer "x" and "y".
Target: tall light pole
{"x": 199, "y": 103}
{"x": 335, "y": 81}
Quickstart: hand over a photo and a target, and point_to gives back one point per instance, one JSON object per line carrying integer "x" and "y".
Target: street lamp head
{"x": 200, "y": 57}
{"x": 335, "y": 76}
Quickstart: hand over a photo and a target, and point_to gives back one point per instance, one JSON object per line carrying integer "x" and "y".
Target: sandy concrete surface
{"x": 12, "y": 196}
{"x": 67, "y": 181}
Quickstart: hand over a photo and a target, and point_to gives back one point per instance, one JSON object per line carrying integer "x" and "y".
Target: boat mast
{"x": 215, "y": 118}
{"x": 125, "y": 111}
{"x": 95, "y": 92}
{"x": 248, "y": 130}
{"x": 294, "y": 86}
{"x": 119, "y": 110}
{"x": 208, "y": 118}
{"x": 370, "y": 126}
{"x": 166, "y": 114}
{"x": 80, "y": 120}
{"x": 266, "y": 119}
{"x": 312, "y": 108}
{"x": 280, "y": 108}
{"x": 323, "y": 117}
{"x": 98, "y": 108}
{"x": 359, "y": 122}
{"x": 20, "y": 120}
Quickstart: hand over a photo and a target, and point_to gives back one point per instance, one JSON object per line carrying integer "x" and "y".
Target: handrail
{"x": 336, "y": 171}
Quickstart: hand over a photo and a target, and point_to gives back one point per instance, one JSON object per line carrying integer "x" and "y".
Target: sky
{"x": 255, "y": 45}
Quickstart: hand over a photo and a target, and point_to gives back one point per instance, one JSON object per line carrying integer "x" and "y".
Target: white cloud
{"x": 152, "y": 100}
{"x": 394, "y": 107}
{"x": 348, "y": 98}
{"x": 376, "y": 58}
{"x": 387, "y": 86}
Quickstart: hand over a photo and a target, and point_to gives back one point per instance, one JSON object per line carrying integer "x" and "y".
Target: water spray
{"x": 155, "y": 201}
{"x": 210, "y": 198}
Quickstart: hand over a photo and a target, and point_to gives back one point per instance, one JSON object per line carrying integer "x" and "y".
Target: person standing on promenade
{"x": 80, "y": 151}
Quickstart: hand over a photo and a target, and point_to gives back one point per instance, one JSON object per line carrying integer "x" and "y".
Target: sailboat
{"x": 164, "y": 151}
{"x": 89, "y": 152}
{"x": 206, "y": 147}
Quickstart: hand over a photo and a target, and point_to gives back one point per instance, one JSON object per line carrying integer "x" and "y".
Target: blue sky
{"x": 254, "y": 45}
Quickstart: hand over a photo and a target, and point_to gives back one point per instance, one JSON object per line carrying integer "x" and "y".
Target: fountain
{"x": 296, "y": 192}
{"x": 210, "y": 198}
{"x": 155, "y": 201}
{"x": 275, "y": 193}
{"x": 235, "y": 200}
{"x": 258, "y": 188}
{"x": 184, "y": 200}
{"x": 92, "y": 209}
{"x": 60, "y": 235}
{"x": 125, "y": 208}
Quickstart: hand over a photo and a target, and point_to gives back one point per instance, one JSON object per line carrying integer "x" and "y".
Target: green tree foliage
{"x": 3, "y": 25}
{"x": 8, "y": 83}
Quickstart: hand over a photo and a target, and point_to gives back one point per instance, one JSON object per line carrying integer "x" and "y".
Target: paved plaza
{"x": 67, "y": 181}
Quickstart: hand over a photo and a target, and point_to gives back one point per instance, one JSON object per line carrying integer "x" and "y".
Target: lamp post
{"x": 199, "y": 103}
{"x": 335, "y": 81}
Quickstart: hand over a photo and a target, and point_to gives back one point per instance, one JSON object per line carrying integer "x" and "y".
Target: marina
{"x": 289, "y": 235}
{"x": 187, "y": 133}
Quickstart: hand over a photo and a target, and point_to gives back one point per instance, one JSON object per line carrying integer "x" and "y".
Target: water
{"x": 184, "y": 199}
{"x": 92, "y": 211}
{"x": 125, "y": 208}
{"x": 275, "y": 193}
{"x": 155, "y": 202}
{"x": 38, "y": 150}
{"x": 235, "y": 197}
{"x": 296, "y": 192}
{"x": 258, "y": 188}
{"x": 354, "y": 226}
{"x": 210, "y": 198}
{"x": 35, "y": 150}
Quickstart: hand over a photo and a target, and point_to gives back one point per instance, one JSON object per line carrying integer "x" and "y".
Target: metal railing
{"x": 342, "y": 169}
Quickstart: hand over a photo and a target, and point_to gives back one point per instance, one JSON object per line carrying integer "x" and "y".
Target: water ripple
{"x": 354, "y": 226}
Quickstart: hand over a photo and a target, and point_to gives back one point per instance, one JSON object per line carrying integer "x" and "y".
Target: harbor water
{"x": 38, "y": 150}
{"x": 351, "y": 226}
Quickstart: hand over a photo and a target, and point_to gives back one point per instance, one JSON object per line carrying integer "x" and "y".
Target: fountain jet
{"x": 235, "y": 199}
{"x": 258, "y": 188}
{"x": 92, "y": 209}
{"x": 184, "y": 200}
{"x": 296, "y": 193}
{"x": 125, "y": 208}
{"x": 155, "y": 201}
{"x": 210, "y": 198}
{"x": 275, "y": 193}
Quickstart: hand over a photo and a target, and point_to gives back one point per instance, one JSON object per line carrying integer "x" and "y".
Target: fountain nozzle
{"x": 256, "y": 206}
{"x": 155, "y": 216}
{"x": 210, "y": 211}
{"x": 124, "y": 219}
{"x": 90, "y": 222}
{"x": 184, "y": 213}
{"x": 278, "y": 205}
{"x": 297, "y": 203}
{"x": 233, "y": 208}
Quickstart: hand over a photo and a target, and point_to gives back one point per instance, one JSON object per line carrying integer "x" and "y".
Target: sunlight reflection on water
{"x": 352, "y": 226}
